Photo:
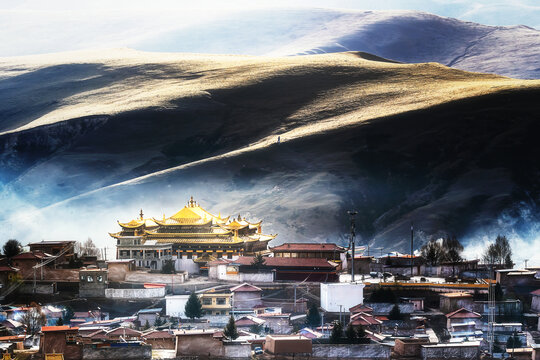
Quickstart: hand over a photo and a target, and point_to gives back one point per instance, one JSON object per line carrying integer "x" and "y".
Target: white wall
{"x": 134, "y": 293}
{"x": 185, "y": 264}
{"x": 256, "y": 277}
{"x": 175, "y": 305}
{"x": 345, "y": 294}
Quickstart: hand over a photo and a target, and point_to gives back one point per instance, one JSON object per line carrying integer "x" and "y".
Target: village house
{"x": 277, "y": 323}
{"x": 8, "y": 276}
{"x": 198, "y": 342}
{"x": 148, "y": 315}
{"x": 60, "y": 340}
{"x": 216, "y": 302}
{"x": 124, "y": 333}
{"x": 362, "y": 263}
{"x": 287, "y": 345}
{"x": 246, "y": 297}
{"x": 26, "y": 261}
{"x": 366, "y": 321}
{"x": 159, "y": 339}
{"x": 64, "y": 251}
{"x": 463, "y": 323}
{"x": 273, "y": 269}
{"x": 327, "y": 251}
{"x": 399, "y": 264}
{"x": 248, "y": 321}
{"x": 455, "y": 300}
{"x": 93, "y": 282}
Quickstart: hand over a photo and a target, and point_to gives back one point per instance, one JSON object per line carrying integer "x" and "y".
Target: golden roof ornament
{"x": 141, "y": 215}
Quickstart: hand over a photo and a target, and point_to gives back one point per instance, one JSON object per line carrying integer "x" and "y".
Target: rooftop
{"x": 245, "y": 287}
{"x": 46, "y": 242}
{"x": 58, "y": 328}
{"x": 308, "y": 247}
{"x": 456, "y": 295}
{"x": 280, "y": 262}
{"x": 463, "y": 314}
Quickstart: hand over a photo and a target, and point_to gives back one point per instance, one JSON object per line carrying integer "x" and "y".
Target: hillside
{"x": 406, "y": 36}
{"x": 90, "y": 138}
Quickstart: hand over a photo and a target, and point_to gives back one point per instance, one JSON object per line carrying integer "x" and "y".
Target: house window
{"x": 99, "y": 278}
{"x": 82, "y": 277}
{"x": 90, "y": 278}
{"x": 207, "y": 301}
{"x": 71, "y": 339}
{"x": 190, "y": 255}
{"x": 229, "y": 255}
{"x": 221, "y": 301}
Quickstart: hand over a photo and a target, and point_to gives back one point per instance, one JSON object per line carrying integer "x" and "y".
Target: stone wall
{"x": 28, "y": 288}
{"x": 143, "y": 352}
{"x": 146, "y": 277}
{"x": 351, "y": 351}
{"x": 449, "y": 352}
{"x": 237, "y": 351}
{"x": 135, "y": 293}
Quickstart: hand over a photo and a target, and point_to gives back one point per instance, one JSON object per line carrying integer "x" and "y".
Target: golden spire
{"x": 191, "y": 202}
{"x": 141, "y": 215}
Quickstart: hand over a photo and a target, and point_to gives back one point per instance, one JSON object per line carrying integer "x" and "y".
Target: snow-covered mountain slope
{"x": 406, "y": 36}
{"x": 107, "y": 134}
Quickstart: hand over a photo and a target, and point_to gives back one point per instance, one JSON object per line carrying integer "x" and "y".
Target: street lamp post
{"x": 352, "y": 213}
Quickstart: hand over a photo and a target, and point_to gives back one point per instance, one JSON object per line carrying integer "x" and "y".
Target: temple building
{"x": 191, "y": 238}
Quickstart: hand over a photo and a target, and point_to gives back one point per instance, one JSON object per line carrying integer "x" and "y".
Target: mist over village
{"x": 270, "y": 180}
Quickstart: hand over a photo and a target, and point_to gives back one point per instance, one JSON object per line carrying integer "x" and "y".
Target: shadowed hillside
{"x": 452, "y": 151}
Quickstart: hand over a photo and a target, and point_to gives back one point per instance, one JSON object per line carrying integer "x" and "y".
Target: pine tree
{"x": 12, "y": 248}
{"x": 59, "y": 322}
{"x": 337, "y": 333}
{"x": 230, "y": 330}
{"x": 193, "y": 308}
{"x": 395, "y": 313}
{"x": 313, "y": 317}
{"x": 360, "y": 332}
{"x": 258, "y": 261}
{"x": 350, "y": 333}
{"x": 146, "y": 325}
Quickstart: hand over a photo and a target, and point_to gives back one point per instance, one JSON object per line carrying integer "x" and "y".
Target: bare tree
{"x": 33, "y": 320}
{"x": 499, "y": 253}
{"x": 452, "y": 251}
{"x": 87, "y": 248}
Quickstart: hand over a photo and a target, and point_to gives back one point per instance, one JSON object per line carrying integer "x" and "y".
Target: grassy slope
{"x": 185, "y": 119}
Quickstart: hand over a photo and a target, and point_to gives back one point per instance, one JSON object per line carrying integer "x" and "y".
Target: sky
{"x": 36, "y": 26}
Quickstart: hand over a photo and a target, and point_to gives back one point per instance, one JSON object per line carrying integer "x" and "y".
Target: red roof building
{"x": 326, "y": 251}
{"x": 60, "y": 340}
{"x": 245, "y": 287}
{"x": 366, "y": 320}
{"x": 124, "y": 332}
{"x": 462, "y": 316}
{"x": 360, "y": 308}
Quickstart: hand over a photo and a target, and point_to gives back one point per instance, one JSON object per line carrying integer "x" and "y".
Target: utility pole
{"x": 412, "y": 242}
{"x": 295, "y": 298}
{"x": 352, "y": 213}
{"x": 526, "y": 261}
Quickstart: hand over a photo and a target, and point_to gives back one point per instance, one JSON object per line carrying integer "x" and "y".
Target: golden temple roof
{"x": 216, "y": 229}
{"x": 133, "y": 224}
